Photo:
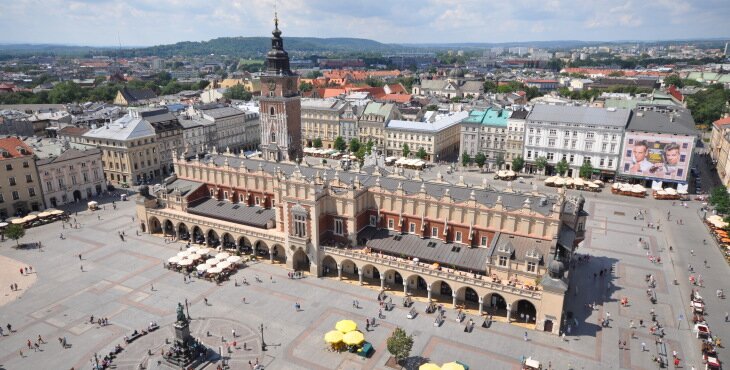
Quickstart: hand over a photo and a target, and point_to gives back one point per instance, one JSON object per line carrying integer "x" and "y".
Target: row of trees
{"x": 709, "y": 105}
{"x": 518, "y": 163}
{"x": 512, "y": 86}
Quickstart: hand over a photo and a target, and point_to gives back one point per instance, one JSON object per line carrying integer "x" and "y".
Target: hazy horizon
{"x": 139, "y": 23}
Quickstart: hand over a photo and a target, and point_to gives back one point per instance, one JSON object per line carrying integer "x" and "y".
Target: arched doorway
{"x": 228, "y": 241}
{"x": 300, "y": 261}
{"x": 496, "y": 305}
{"x": 54, "y": 202}
{"x": 182, "y": 232}
{"x": 155, "y": 226}
{"x": 198, "y": 236}
{"x": 262, "y": 250}
{"x": 349, "y": 270}
{"x": 441, "y": 291}
{"x": 168, "y": 228}
{"x": 213, "y": 239}
{"x": 370, "y": 275}
{"x": 329, "y": 266}
{"x": 77, "y": 195}
{"x": 417, "y": 286}
{"x": 244, "y": 245}
{"x": 279, "y": 254}
{"x": 524, "y": 311}
{"x": 469, "y": 297}
{"x": 143, "y": 227}
{"x": 393, "y": 280}
{"x": 548, "y": 327}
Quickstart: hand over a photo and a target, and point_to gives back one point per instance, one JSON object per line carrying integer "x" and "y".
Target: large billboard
{"x": 656, "y": 156}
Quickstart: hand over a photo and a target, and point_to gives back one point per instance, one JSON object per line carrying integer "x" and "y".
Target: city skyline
{"x": 138, "y": 22}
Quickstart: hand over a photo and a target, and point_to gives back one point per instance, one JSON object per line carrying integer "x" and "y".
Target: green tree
{"x": 490, "y": 86}
{"x": 314, "y": 74}
{"x": 616, "y": 74}
{"x": 708, "y": 105}
{"x": 399, "y": 344}
{"x": 369, "y": 147}
{"x": 499, "y": 160}
{"x": 15, "y": 232}
{"x": 406, "y": 150}
{"x": 66, "y": 92}
{"x": 673, "y": 80}
{"x": 586, "y": 170}
{"x": 518, "y": 163}
{"x": 480, "y": 159}
{"x": 562, "y": 167}
{"x": 237, "y": 92}
{"x": 720, "y": 199}
{"x": 374, "y": 82}
{"x": 541, "y": 163}
{"x": 317, "y": 143}
{"x": 465, "y": 159}
{"x": 456, "y": 99}
{"x": 305, "y": 86}
{"x": 432, "y": 107}
{"x": 355, "y": 145}
{"x": 340, "y": 144}
{"x": 421, "y": 153}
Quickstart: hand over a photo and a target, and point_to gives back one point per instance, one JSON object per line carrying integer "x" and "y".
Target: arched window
{"x": 273, "y": 135}
{"x": 271, "y": 111}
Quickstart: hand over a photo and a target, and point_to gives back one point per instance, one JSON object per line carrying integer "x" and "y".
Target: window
{"x": 529, "y": 154}
{"x": 16, "y": 196}
{"x": 589, "y": 145}
{"x": 271, "y": 111}
{"x": 589, "y": 135}
{"x": 49, "y": 186}
{"x": 604, "y": 146}
{"x": 28, "y": 178}
{"x": 610, "y": 162}
{"x": 225, "y": 194}
{"x": 86, "y": 177}
{"x": 31, "y": 192}
{"x": 550, "y": 156}
{"x": 2, "y": 199}
{"x": 73, "y": 179}
{"x": 412, "y": 228}
{"x": 338, "y": 227}
{"x": 552, "y": 132}
{"x": 551, "y": 143}
{"x": 484, "y": 240}
{"x": 587, "y": 160}
{"x": 531, "y": 267}
{"x": 573, "y": 144}
{"x": 572, "y": 158}
{"x": 613, "y": 148}
{"x": 391, "y": 223}
{"x": 373, "y": 220}
{"x": 300, "y": 225}
{"x": 61, "y": 184}
{"x": 9, "y": 167}
{"x": 458, "y": 236}
{"x": 580, "y": 226}
{"x": 12, "y": 181}
{"x": 602, "y": 163}
{"x": 503, "y": 260}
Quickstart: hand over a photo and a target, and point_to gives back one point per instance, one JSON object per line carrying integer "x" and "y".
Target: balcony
{"x": 457, "y": 276}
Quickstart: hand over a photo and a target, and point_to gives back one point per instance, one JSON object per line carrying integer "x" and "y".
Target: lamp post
{"x": 187, "y": 308}
{"x": 263, "y": 343}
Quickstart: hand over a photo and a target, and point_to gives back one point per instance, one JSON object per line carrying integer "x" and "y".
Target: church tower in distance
{"x": 280, "y": 105}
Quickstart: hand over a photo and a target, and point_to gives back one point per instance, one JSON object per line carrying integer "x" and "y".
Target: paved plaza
{"x": 125, "y": 281}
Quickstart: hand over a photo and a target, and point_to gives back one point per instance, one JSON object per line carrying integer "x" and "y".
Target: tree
{"x": 317, "y": 143}
{"x": 490, "y": 86}
{"x": 406, "y": 150}
{"x": 339, "y": 144}
{"x": 421, "y": 153}
{"x": 465, "y": 159}
{"x": 708, "y": 105}
{"x": 518, "y": 163}
{"x": 355, "y": 145}
{"x": 562, "y": 167}
{"x": 480, "y": 159}
{"x": 400, "y": 344}
{"x": 720, "y": 199}
{"x": 586, "y": 170}
{"x": 499, "y": 160}
{"x": 673, "y": 80}
{"x": 432, "y": 107}
{"x": 541, "y": 163}
{"x": 237, "y": 92}
{"x": 616, "y": 74}
{"x": 369, "y": 147}
{"x": 15, "y": 232}
{"x": 305, "y": 86}
{"x": 314, "y": 74}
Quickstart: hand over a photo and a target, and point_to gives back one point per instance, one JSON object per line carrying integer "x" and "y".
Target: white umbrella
{"x": 599, "y": 182}
{"x": 592, "y": 185}
{"x": 222, "y": 255}
{"x": 214, "y": 270}
{"x": 671, "y": 191}
{"x": 44, "y": 214}
{"x": 56, "y": 212}
{"x": 569, "y": 181}
{"x": 511, "y": 173}
{"x": 185, "y": 262}
{"x": 224, "y": 265}
{"x": 233, "y": 259}
{"x": 202, "y": 251}
{"x": 183, "y": 254}
{"x": 203, "y": 267}
{"x": 211, "y": 261}
{"x": 683, "y": 192}
{"x": 193, "y": 249}
{"x": 3, "y": 224}
{"x": 579, "y": 182}
{"x": 661, "y": 192}
{"x": 559, "y": 181}
{"x": 175, "y": 260}
{"x": 550, "y": 180}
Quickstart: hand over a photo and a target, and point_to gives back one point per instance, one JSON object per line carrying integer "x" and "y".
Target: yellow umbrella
{"x": 353, "y": 338}
{"x": 44, "y": 214}
{"x": 29, "y": 218}
{"x": 333, "y": 336}
{"x": 17, "y": 221}
{"x": 452, "y": 366}
{"x": 429, "y": 366}
{"x": 346, "y": 326}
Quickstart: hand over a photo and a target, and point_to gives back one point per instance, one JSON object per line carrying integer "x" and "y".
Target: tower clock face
{"x": 272, "y": 85}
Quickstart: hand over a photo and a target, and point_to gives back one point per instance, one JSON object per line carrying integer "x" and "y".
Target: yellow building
{"x": 20, "y": 189}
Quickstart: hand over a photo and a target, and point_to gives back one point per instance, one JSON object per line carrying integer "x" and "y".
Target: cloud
{"x": 150, "y": 22}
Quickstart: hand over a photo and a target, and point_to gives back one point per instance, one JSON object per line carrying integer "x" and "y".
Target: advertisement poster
{"x": 657, "y": 156}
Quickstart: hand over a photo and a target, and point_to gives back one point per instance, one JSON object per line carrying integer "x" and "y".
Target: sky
{"x": 154, "y": 22}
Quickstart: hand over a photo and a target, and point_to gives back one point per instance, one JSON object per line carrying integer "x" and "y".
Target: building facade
{"x": 73, "y": 176}
{"x": 372, "y": 123}
{"x": 515, "y": 136}
{"x": 20, "y": 190}
{"x": 322, "y": 119}
{"x": 439, "y": 139}
{"x": 576, "y": 134}
{"x": 235, "y": 129}
{"x": 485, "y": 131}
{"x": 169, "y": 137}
{"x": 720, "y": 148}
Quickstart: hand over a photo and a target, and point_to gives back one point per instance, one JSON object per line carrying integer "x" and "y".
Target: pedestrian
{"x": 624, "y": 344}
{"x": 29, "y": 344}
{"x": 619, "y": 344}
{"x": 79, "y": 256}
{"x": 643, "y": 347}
{"x": 727, "y": 318}
{"x": 206, "y": 301}
{"x": 631, "y": 324}
{"x": 36, "y": 347}
{"x": 152, "y": 287}
{"x": 243, "y": 299}
{"x": 641, "y": 322}
{"x": 525, "y": 336}
{"x": 233, "y": 333}
{"x": 40, "y": 340}
{"x": 82, "y": 268}
{"x": 564, "y": 337}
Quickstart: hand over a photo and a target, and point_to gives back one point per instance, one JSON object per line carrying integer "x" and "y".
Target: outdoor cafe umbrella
{"x": 183, "y": 254}
{"x": 211, "y": 261}
{"x": 3, "y": 224}
{"x": 56, "y": 212}
{"x": 203, "y": 251}
{"x": 186, "y": 262}
{"x": 203, "y": 267}
{"x": 725, "y": 240}
{"x": 224, "y": 265}
{"x": 233, "y": 259}
{"x": 452, "y": 366}
{"x": 17, "y": 221}
{"x": 346, "y": 326}
{"x": 429, "y": 366}
{"x": 559, "y": 181}
{"x": 333, "y": 336}
{"x": 222, "y": 255}
{"x": 29, "y": 218}
{"x": 174, "y": 260}
{"x": 214, "y": 270}
{"x": 193, "y": 249}
{"x": 353, "y": 338}
{"x": 44, "y": 214}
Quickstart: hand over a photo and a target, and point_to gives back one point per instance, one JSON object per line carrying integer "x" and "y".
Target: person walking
{"x": 643, "y": 347}
{"x": 525, "y": 336}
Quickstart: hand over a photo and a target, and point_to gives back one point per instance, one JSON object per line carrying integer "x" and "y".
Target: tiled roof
{"x": 70, "y": 154}
{"x": 72, "y": 131}
{"x": 133, "y": 95}
{"x": 234, "y": 212}
{"x": 13, "y": 146}
{"x": 125, "y": 128}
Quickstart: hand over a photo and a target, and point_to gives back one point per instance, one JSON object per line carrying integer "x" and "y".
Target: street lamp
{"x": 263, "y": 344}
{"x": 187, "y": 308}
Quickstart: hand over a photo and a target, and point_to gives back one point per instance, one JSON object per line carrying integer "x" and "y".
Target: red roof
{"x": 673, "y": 91}
{"x": 333, "y": 92}
{"x": 73, "y": 131}
{"x": 721, "y": 122}
{"x": 13, "y": 145}
{"x": 396, "y": 98}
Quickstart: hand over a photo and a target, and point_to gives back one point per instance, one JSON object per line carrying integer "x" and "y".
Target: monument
{"x": 185, "y": 351}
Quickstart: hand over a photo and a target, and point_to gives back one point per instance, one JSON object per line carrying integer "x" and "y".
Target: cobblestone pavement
{"x": 118, "y": 278}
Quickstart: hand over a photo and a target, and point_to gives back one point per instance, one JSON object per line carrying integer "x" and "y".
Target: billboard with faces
{"x": 656, "y": 156}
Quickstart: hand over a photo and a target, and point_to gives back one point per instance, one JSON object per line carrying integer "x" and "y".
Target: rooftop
{"x": 15, "y": 148}
{"x": 615, "y": 117}
{"x": 234, "y": 212}
{"x": 124, "y": 128}
{"x": 678, "y": 122}
{"x": 489, "y": 117}
{"x": 69, "y": 155}
{"x": 431, "y": 127}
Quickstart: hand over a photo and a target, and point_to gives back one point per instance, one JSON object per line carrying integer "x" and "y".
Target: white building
{"x": 235, "y": 129}
{"x": 440, "y": 138}
{"x": 576, "y": 134}
{"x": 74, "y": 175}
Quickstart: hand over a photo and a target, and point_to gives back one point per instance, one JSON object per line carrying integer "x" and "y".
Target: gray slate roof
{"x": 615, "y": 117}
{"x": 185, "y": 186}
{"x": 650, "y": 121}
{"x": 426, "y": 250}
{"x": 510, "y": 201}
{"x": 233, "y": 212}
{"x": 520, "y": 245}
{"x": 70, "y": 154}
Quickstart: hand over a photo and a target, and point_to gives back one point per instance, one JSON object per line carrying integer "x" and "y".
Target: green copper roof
{"x": 489, "y": 117}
